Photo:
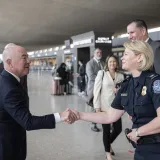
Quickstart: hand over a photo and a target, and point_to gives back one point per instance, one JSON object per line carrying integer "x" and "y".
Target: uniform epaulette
{"x": 153, "y": 75}
{"x": 126, "y": 79}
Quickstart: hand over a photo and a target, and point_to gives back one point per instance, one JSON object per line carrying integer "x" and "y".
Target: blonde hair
{"x": 143, "y": 48}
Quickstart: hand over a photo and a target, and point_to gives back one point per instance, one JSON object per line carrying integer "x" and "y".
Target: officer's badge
{"x": 144, "y": 91}
{"x": 156, "y": 86}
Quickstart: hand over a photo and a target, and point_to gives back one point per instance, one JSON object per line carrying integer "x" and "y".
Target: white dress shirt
{"x": 147, "y": 40}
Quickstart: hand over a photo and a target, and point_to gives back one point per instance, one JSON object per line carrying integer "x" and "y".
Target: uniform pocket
{"x": 143, "y": 100}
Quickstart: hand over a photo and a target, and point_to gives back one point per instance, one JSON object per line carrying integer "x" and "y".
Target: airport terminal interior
{"x": 68, "y": 31}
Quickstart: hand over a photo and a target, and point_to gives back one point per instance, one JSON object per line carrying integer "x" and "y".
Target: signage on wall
{"x": 103, "y": 40}
{"x": 85, "y": 41}
{"x": 67, "y": 51}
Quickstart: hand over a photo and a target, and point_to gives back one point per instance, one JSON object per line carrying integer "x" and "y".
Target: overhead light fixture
{"x": 63, "y": 47}
{"x": 30, "y": 53}
{"x": 123, "y": 35}
{"x": 56, "y": 49}
{"x": 45, "y": 50}
{"x": 154, "y": 30}
{"x": 50, "y": 49}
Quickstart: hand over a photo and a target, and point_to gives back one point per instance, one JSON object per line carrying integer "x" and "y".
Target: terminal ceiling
{"x": 39, "y": 24}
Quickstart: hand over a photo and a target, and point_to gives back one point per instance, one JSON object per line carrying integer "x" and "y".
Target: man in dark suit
{"x": 137, "y": 30}
{"x": 15, "y": 117}
{"x": 92, "y": 68}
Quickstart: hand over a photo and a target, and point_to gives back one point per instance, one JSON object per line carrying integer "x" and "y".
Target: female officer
{"x": 139, "y": 96}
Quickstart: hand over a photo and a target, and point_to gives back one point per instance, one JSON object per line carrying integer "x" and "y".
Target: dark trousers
{"x": 81, "y": 84}
{"x": 109, "y": 137}
{"x": 147, "y": 152}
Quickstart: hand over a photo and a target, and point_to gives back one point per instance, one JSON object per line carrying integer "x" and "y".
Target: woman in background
{"x": 63, "y": 74}
{"x": 104, "y": 93}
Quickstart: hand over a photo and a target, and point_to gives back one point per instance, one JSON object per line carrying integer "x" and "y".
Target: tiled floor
{"x": 66, "y": 142}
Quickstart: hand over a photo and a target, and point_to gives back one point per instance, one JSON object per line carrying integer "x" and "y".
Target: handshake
{"x": 69, "y": 116}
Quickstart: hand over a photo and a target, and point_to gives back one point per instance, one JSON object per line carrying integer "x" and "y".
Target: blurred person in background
{"x": 92, "y": 68}
{"x": 81, "y": 77}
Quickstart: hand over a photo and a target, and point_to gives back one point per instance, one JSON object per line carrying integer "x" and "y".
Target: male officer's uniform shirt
{"x": 139, "y": 97}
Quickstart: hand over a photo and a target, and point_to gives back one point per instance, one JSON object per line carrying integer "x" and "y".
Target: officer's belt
{"x": 4, "y": 116}
{"x": 150, "y": 139}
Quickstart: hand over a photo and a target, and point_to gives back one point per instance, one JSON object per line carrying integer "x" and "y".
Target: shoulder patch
{"x": 156, "y": 86}
{"x": 126, "y": 79}
{"x": 123, "y": 82}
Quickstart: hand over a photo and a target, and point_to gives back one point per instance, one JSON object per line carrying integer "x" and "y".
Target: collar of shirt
{"x": 147, "y": 40}
{"x": 16, "y": 77}
{"x": 96, "y": 60}
{"x": 142, "y": 77}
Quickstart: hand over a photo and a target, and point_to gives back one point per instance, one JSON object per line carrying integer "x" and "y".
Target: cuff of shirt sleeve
{"x": 57, "y": 117}
{"x": 95, "y": 107}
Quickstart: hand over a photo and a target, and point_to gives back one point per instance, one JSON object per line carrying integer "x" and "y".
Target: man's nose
{"x": 28, "y": 60}
{"x": 130, "y": 36}
{"x": 99, "y": 54}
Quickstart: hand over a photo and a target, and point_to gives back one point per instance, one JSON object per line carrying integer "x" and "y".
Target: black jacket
{"x": 16, "y": 118}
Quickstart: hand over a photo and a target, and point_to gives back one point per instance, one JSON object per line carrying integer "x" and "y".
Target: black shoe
{"x": 95, "y": 129}
{"x": 112, "y": 153}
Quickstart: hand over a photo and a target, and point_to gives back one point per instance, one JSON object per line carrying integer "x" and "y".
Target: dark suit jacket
{"x": 1, "y": 67}
{"x": 156, "y": 50}
{"x": 23, "y": 80}
{"x": 15, "y": 118}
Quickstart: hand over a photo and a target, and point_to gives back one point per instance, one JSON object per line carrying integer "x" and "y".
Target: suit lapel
{"x": 10, "y": 77}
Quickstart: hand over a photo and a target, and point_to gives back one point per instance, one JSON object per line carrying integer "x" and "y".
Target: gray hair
{"x": 7, "y": 50}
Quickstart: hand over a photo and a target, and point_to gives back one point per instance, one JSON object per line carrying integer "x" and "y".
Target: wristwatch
{"x": 137, "y": 135}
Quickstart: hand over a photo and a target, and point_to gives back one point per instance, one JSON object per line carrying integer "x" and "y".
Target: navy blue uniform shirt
{"x": 139, "y": 97}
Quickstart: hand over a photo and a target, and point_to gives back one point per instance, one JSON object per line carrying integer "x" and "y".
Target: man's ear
{"x": 143, "y": 31}
{"x": 9, "y": 62}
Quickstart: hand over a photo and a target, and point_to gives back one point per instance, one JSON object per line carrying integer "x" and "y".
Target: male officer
{"x": 137, "y": 30}
{"x": 15, "y": 116}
